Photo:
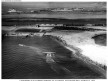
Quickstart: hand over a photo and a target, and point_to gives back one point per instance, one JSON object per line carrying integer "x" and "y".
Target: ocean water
{"x": 57, "y": 15}
{"x": 29, "y": 62}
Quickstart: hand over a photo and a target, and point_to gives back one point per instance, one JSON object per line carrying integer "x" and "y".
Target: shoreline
{"x": 98, "y": 68}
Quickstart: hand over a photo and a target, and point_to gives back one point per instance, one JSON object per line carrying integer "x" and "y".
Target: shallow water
{"x": 20, "y": 62}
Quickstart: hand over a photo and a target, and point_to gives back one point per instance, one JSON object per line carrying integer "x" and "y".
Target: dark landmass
{"x": 100, "y": 39}
{"x": 28, "y": 30}
{"x": 77, "y": 28}
{"x": 33, "y": 21}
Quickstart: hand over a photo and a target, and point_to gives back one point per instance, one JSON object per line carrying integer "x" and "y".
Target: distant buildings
{"x": 47, "y": 10}
{"x": 61, "y": 9}
{"x": 13, "y": 11}
{"x": 67, "y": 9}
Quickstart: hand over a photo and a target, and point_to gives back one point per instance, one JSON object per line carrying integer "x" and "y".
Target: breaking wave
{"x": 83, "y": 43}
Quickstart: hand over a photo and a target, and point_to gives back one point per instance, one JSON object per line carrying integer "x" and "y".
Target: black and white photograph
{"x": 54, "y": 40}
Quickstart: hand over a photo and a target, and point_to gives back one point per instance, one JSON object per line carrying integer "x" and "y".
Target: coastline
{"x": 98, "y": 68}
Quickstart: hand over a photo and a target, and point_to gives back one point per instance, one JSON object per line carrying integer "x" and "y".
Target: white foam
{"x": 83, "y": 41}
{"x": 95, "y": 52}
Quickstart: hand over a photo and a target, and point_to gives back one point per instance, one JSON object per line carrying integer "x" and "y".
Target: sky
{"x": 39, "y": 5}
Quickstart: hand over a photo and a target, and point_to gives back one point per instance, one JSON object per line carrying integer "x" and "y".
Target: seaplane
{"x": 49, "y": 54}
{"x": 49, "y": 57}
